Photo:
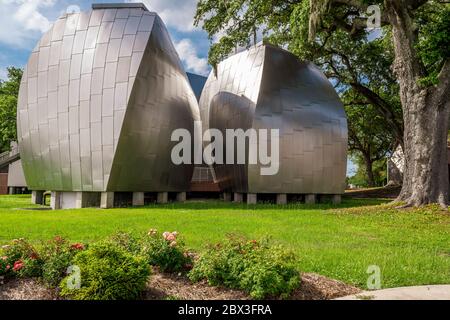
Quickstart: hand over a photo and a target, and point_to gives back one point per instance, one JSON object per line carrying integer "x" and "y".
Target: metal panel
{"x": 66, "y": 49}
{"x": 44, "y": 54}
{"x": 126, "y": 48}
{"x": 78, "y": 42}
{"x": 91, "y": 37}
{"x": 52, "y": 81}
{"x": 64, "y": 72}
{"x": 88, "y": 60}
{"x": 85, "y": 86}
{"x": 95, "y": 111}
{"x": 269, "y": 88}
{"x": 123, "y": 69}
{"x": 113, "y": 50}
{"x": 100, "y": 55}
{"x": 97, "y": 81}
{"x": 110, "y": 75}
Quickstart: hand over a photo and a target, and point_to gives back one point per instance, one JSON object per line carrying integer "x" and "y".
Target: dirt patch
{"x": 25, "y": 289}
{"x": 390, "y": 192}
{"x": 317, "y": 287}
{"x": 171, "y": 286}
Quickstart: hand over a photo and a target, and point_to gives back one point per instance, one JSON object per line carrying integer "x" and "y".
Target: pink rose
{"x": 173, "y": 244}
{"x": 77, "y": 246}
{"x": 18, "y": 265}
{"x": 170, "y": 237}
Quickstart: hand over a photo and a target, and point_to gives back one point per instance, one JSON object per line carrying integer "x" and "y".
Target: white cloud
{"x": 23, "y": 22}
{"x": 188, "y": 54}
{"x": 178, "y": 14}
{"x": 30, "y": 17}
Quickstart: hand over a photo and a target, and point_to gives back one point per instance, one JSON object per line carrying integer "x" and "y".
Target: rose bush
{"x": 57, "y": 255}
{"x": 166, "y": 251}
{"x": 21, "y": 259}
{"x": 257, "y": 267}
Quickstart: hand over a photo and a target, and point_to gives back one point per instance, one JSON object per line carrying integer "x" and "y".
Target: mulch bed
{"x": 172, "y": 286}
{"x": 25, "y": 289}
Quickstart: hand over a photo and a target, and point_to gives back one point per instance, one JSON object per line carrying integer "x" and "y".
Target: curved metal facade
{"x": 100, "y": 96}
{"x": 269, "y": 88}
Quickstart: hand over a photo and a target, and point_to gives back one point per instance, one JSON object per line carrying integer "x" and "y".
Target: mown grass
{"x": 411, "y": 247}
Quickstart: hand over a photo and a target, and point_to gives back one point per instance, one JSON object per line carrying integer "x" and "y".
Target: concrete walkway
{"x": 432, "y": 292}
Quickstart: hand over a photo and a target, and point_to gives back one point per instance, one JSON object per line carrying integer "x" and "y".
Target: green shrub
{"x": 54, "y": 268}
{"x": 5, "y": 266}
{"x": 57, "y": 255}
{"x": 259, "y": 268}
{"x": 166, "y": 251}
{"x": 127, "y": 241}
{"x": 32, "y": 268}
{"x": 107, "y": 272}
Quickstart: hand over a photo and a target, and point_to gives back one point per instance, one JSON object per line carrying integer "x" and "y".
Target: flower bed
{"x": 119, "y": 266}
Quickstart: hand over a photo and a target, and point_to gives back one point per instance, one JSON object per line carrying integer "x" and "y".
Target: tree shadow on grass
{"x": 208, "y": 204}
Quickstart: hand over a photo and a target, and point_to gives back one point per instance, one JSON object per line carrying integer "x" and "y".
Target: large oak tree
{"x": 333, "y": 34}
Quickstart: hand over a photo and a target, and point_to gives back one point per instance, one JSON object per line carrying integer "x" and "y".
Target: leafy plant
{"x": 257, "y": 267}
{"x": 20, "y": 258}
{"x": 166, "y": 251}
{"x": 127, "y": 241}
{"x": 107, "y": 272}
{"x": 57, "y": 255}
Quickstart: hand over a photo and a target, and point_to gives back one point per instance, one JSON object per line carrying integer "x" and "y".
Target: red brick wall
{"x": 3, "y": 183}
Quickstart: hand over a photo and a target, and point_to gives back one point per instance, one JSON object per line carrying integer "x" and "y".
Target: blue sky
{"x": 24, "y": 21}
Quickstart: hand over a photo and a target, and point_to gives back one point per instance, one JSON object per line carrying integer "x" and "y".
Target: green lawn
{"x": 411, "y": 247}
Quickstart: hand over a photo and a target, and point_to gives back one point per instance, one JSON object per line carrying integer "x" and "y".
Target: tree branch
{"x": 383, "y": 107}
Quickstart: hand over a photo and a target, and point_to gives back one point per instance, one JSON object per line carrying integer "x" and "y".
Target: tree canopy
{"x": 401, "y": 69}
{"x": 9, "y": 91}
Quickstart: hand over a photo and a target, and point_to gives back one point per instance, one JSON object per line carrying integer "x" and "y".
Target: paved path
{"x": 432, "y": 292}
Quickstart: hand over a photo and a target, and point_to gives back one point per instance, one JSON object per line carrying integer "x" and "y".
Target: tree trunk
{"x": 369, "y": 171}
{"x": 425, "y": 114}
{"x": 425, "y": 178}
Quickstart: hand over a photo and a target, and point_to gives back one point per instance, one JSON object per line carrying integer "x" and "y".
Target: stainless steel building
{"x": 100, "y": 96}
{"x": 267, "y": 87}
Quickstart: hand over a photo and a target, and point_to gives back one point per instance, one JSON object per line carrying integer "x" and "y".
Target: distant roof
{"x": 137, "y": 5}
{"x": 197, "y": 83}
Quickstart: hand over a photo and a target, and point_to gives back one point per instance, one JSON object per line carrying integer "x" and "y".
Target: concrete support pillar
{"x": 11, "y": 190}
{"x": 336, "y": 199}
{"x": 107, "y": 200}
{"x": 227, "y": 196}
{"x": 37, "y": 197}
{"x": 55, "y": 200}
{"x": 162, "y": 197}
{"x": 252, "y": 198}
{"x": 281, "y": 198}
{"x": 138, "y": 199}
{"x": 237, "y": 197}
{"x": 181, "y": 196}
{"x": 79, "y": 203}
{"x": 310, "y": 198}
